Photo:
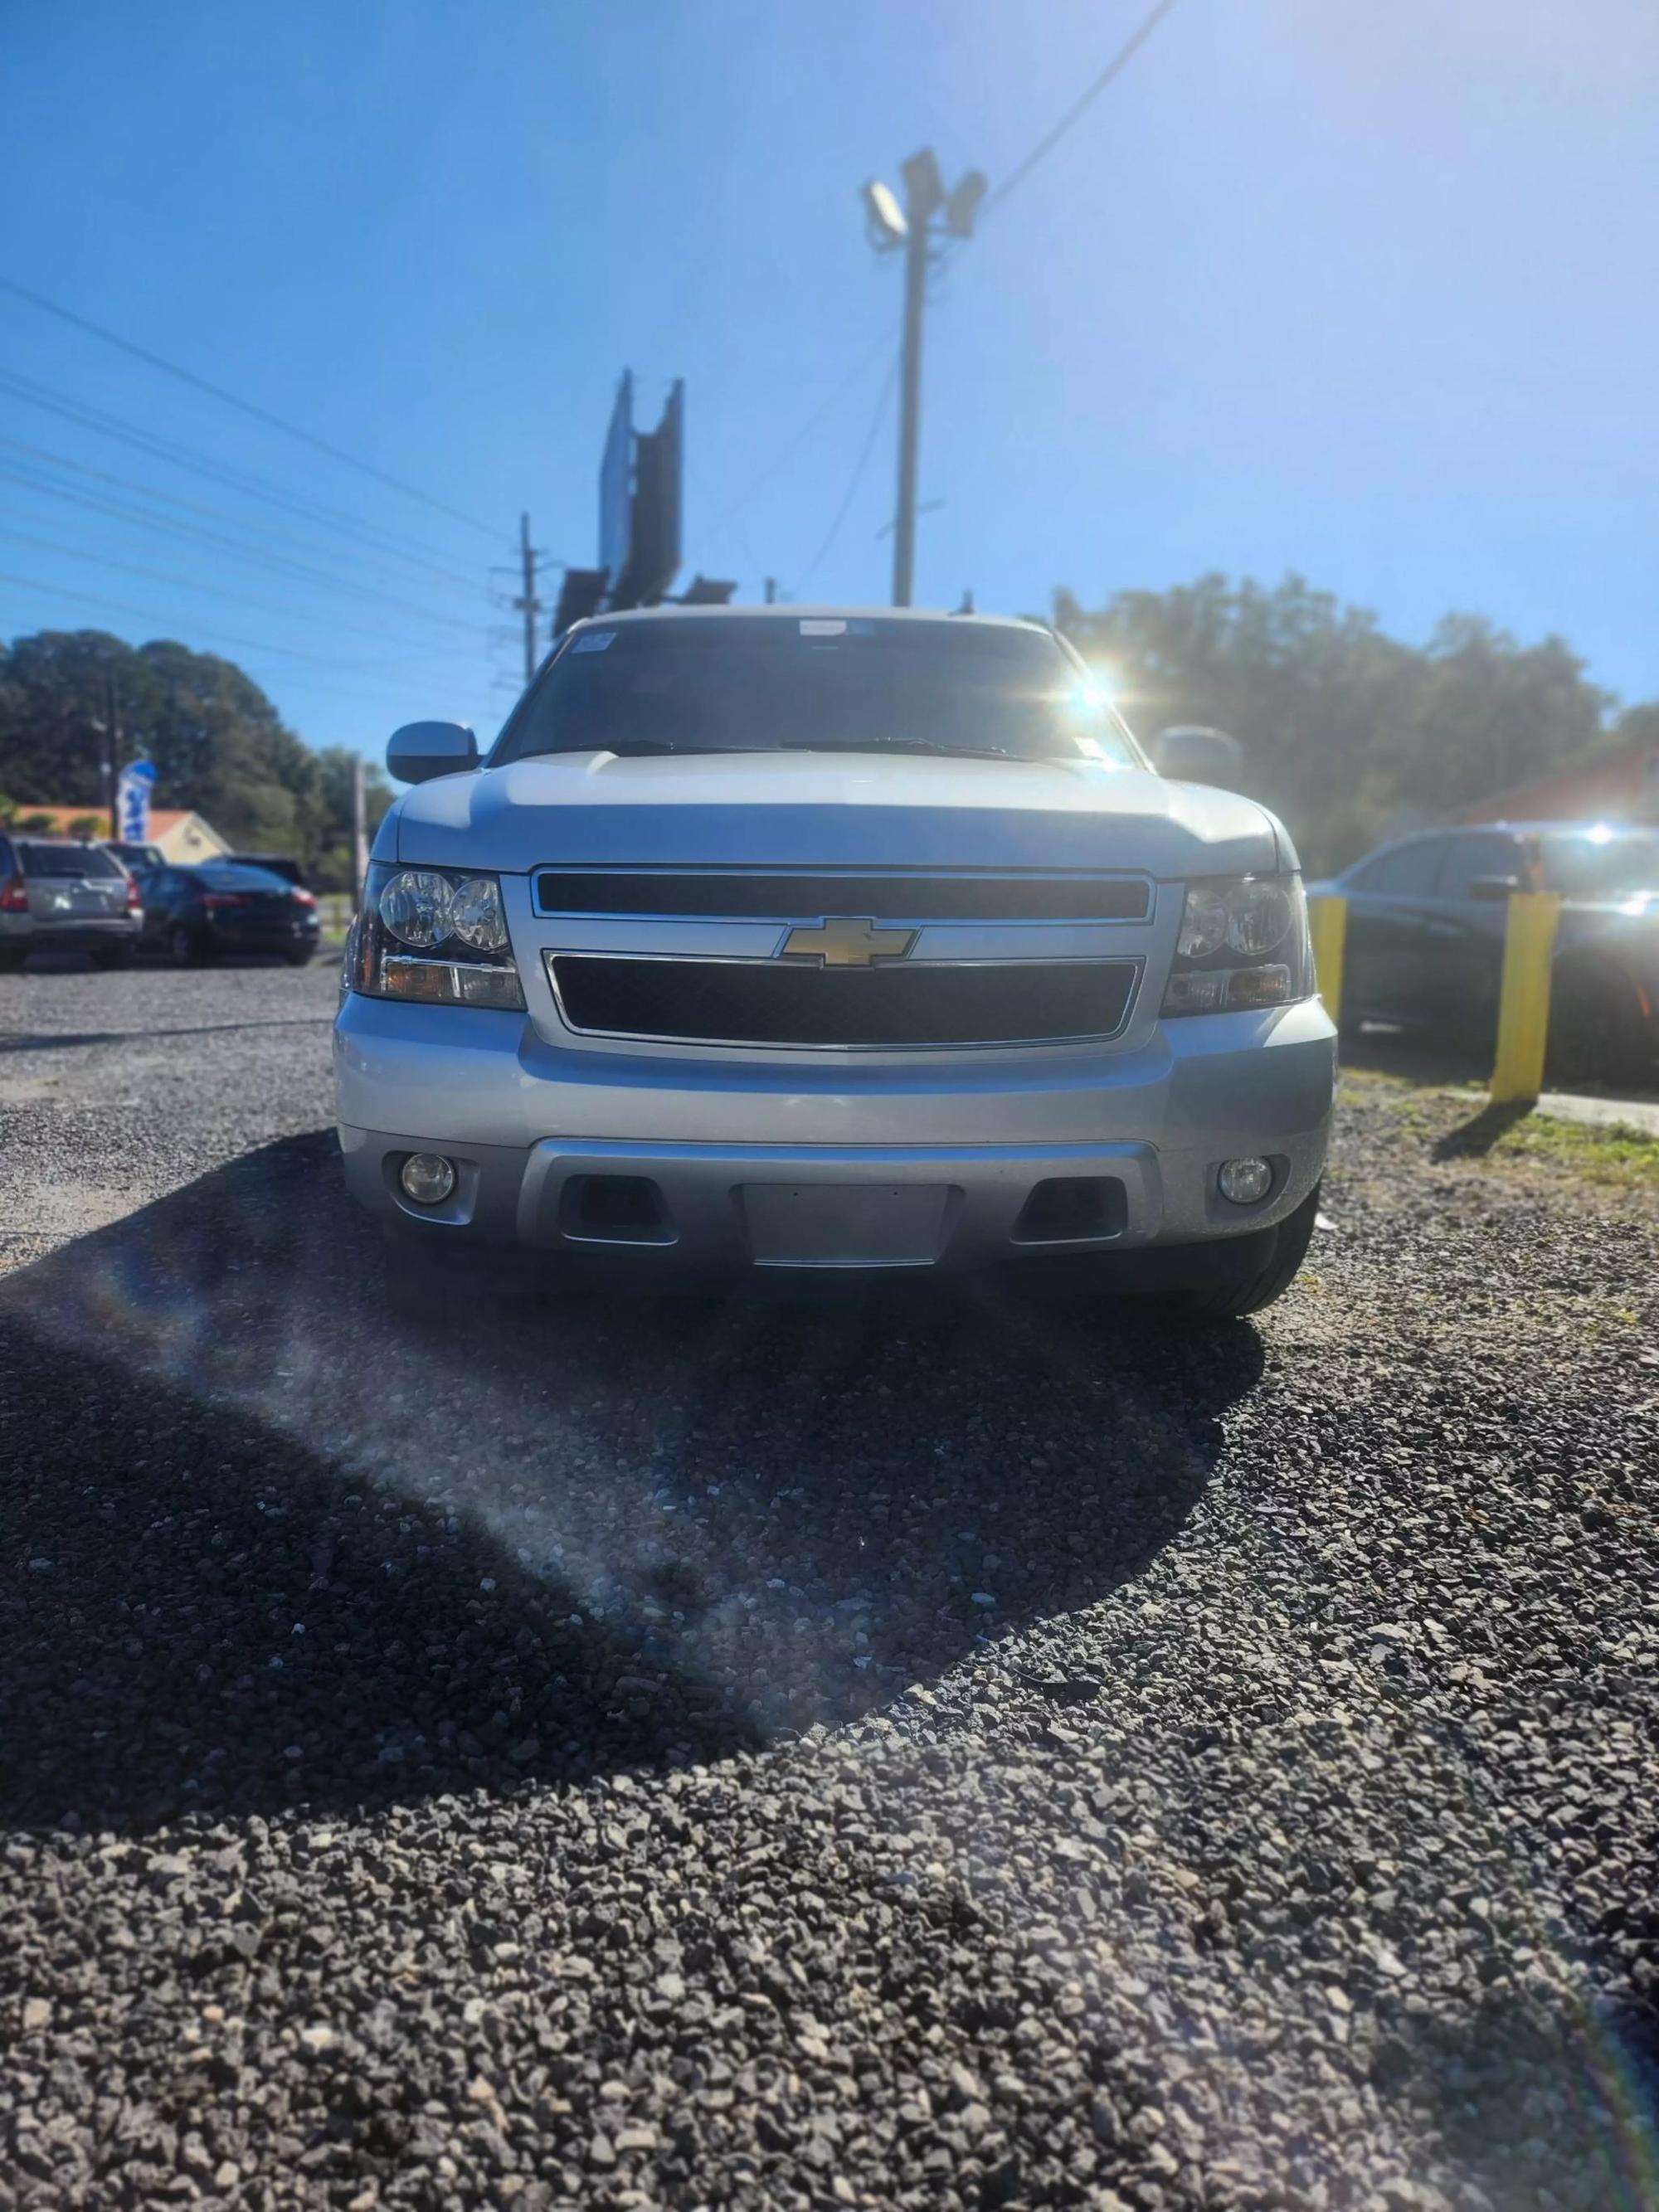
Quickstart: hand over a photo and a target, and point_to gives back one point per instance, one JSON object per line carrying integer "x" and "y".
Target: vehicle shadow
{"x": 1475, "y": 1138}
{"x": 278, "y": 1543}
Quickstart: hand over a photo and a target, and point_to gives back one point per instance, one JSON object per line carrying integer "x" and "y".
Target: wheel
{"x": 1232, "y": 1295}
{"x": 298, "y": 959}
{"x": 1600, "y": 1030}
{"x": 186, "y": 948}
{"x": 11, "y": 961}
{"x": 112, "y": 956}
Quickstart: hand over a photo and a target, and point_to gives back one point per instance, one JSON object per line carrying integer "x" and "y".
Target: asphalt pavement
{"x": 468, "y": 1750}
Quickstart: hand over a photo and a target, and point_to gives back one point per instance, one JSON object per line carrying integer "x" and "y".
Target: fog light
{"x": 427, "y": 1178}
{"x": 1244, "y": 1182}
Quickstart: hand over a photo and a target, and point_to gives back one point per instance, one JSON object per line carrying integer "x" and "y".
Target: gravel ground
{"x": 902, "y": 1753}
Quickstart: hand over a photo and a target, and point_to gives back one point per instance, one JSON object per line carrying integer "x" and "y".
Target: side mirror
{"x": 1191, "y": 755}
{"x": 1494, "y": 888}
{"x": 420, "y": 750}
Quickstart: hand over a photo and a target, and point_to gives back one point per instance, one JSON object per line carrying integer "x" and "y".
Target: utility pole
{"x": 909, "y": 446}
{"x": 113, "y": 741}
{"x": 912, "y": 227}
{"x": 529, "y": 607}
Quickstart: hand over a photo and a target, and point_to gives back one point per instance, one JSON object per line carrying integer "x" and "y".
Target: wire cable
{"x": 180, "y": 456}
{"x": 435, "y": 647}
{"x": 1091, "y": 91}
{"x": 154, "y": 614}
{"x": 244, "y": 406}
{"x": 218, "y": 542}
{"x": 853, "y": 482}
{"x": 788, "y": 452}
{"x": 40, "y": 457}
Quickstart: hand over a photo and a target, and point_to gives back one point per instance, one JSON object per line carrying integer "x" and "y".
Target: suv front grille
{"x": 893, "y": 1007}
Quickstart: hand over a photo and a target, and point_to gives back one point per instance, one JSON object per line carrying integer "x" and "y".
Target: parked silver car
{"x": 65, "y": 892}
{"x": 793, "y": 940}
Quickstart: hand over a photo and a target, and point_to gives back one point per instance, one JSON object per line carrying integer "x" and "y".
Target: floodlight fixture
{"x": 963, "y": 203}
{"x": 924, "y": 187}
{"x": 884, "y": 217}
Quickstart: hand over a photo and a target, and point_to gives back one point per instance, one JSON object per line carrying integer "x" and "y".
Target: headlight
{"x": 1259, "y": 915}
{"x": 1203, "y": 922}
{"x": 1243, "y": 942}
{"x": 476, "y": 916}
{"x": 438, "y": 935}
{"x": 414, "y": 905}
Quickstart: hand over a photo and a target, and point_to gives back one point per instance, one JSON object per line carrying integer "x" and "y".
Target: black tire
{"x": 298, "y": 959}
{"x": 186, "y": 947}
{"x": 10, "y": 962}
{"x": 1599, "y": 1032}
{"x": 1230, "y": 1297}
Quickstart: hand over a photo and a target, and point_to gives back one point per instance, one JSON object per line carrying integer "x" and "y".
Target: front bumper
{"x": 758, "y": 1163}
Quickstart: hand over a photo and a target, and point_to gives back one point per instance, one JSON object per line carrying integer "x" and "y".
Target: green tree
{"x": 1348, "y": 734}
{"x": 218, "y": 742}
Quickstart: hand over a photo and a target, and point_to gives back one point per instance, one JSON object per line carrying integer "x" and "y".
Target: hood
{"x": 816, "y": 809}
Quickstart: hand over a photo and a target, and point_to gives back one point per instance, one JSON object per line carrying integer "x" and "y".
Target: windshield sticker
{"x": 594, "y": 640}
{"x": 817, "y": 626}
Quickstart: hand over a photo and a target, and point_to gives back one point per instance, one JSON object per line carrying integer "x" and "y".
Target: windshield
{"x": 80, "y": 861}
{"x": 815, "y": 685}
{"x": 1601, "y": 866}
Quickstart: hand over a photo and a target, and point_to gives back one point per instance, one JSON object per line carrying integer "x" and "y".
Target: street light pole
{"x": 912, "y": 227}
{"x": 915, "y": 294}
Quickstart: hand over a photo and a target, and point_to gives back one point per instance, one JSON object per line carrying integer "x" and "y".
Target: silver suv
{"x": 65, "y": 892}
{"x": 833, "y": 939}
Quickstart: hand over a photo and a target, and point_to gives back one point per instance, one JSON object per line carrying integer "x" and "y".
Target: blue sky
{"x": 1370, "y": 294}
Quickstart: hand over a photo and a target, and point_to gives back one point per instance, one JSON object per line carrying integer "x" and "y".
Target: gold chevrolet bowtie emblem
{"x": 842, "y": 942}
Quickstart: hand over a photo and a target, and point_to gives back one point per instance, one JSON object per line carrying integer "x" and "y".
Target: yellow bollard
{"x": 1523, "y": 1008}
{"x": 1327, "y": 926}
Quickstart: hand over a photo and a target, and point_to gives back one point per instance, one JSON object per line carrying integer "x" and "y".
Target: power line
{"x": 438, "y": 650}
{"x": 244, "y": 406}
{"x": 853, "y": 482}
{"x": 154, "y": 614}
{"x": 1046, "y": 145}
{"x": 788, "y": 452}
{"x": 218, "y": 542}
{"x": 177, "y": 455}
{"x": 40, "y": 457}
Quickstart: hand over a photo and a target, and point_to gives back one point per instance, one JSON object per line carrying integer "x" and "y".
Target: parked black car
{"x": 279, "y": 864}
{"x": 194, "y": 914}
{"x": 1426, "y": 918}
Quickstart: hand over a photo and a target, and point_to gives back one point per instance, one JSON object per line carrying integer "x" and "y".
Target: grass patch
{"x": 1457, "y": 1124}
{"x": 1609, "y": 1152}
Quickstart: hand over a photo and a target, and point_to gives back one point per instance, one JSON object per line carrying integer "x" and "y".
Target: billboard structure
{"x": 641, "y": 508}
{"x": 616, "y": 484}
{"x": 642, "y": 560}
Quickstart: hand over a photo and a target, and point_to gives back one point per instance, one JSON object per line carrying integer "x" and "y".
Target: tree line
{"x": 218, "y": 745}
{"x": 1348, "y": 735}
